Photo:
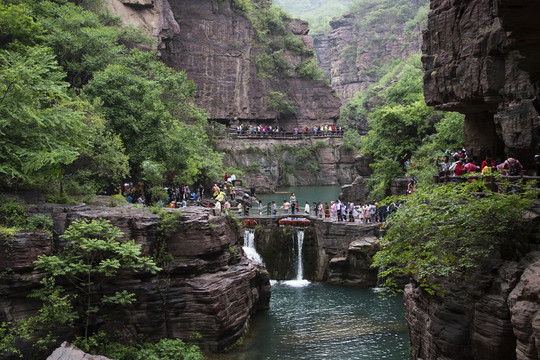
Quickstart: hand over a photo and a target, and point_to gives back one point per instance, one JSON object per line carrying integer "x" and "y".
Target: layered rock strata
{"x": 217, "y": 47}
{"x": 479, "y": 59}
{"x": 491, "y": 315}
{"x": 272, "y": 163}
{"x": 348, "y": 54}
{"x": 209, "y": 288}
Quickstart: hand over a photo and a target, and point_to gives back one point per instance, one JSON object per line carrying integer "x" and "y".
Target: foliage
{"x": 40, "y": 222}
{"x": 12, "y": 214}
{"x": 352, "y": 140}
{"x": 165, "y": 349}
{"x": 144, "y": 101}
{"x": 310, "y": 69}
{"x": 33, "y": 96}
{"x": 384, "y": 171}
{"x": 40, "y": 329}
{"x": 280, "y": 103}
{"x": 93, "y": 254}
{"x": 446, "y": 230}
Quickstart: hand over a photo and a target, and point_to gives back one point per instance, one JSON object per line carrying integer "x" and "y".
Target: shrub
{"x": 40, "y": 222}
{"x": 12, "y": 214}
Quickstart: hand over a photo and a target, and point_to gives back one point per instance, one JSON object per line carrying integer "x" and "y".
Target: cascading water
{"x": 299, "y": 281}
{"x": 249, "y": 246}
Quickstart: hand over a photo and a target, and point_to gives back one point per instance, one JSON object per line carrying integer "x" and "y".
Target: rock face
{"x": 350, "y": 51}
{"x": 209, "y": 288}
{"x": 273, "y": 163}
{"x": 217, "y": 47}
{"x": 479, "y": 59}
{"x": 492, "y": 315}
{"x": 333, "y": 252}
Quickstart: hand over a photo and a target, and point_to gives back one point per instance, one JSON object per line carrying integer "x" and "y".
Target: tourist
{"x": 367, "y": 213}
{"x": 260, "y": 207}
{"x": 306, "y": 208}
{"x": 252, "y": 191}
{"x": 286, "y": 205}
{"x": 510, "y": 166}
{"x": 470, "y": 167}
{"x": 320, "y": 210}
{"x": 326, "y": 211}
{"x": 240, "y": 208}
{"x": 382, "y": 213}
{"x": 373, "y": 212}
{"x": 293, "y": 203}
{"x": 315, "y": 209}
{"x": 226, "y": 207}
{"x": 333, "y": 210}
{"x": 274, "y": 208}
{"x": 351, "y": 212}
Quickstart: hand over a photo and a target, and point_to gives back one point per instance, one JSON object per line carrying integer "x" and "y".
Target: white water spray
{"x": 299, "y": 281}
{"x": 249, "y": 246}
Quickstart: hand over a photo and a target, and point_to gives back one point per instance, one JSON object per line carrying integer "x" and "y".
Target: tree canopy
{"x": 80, "y": 107}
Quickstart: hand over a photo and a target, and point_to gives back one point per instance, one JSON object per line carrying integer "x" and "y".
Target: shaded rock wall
{"x": 209, "y": 287}
{"x": 272, "y": 163}
{"x": 491, "y": 315}
{"x": 478, "y": 62}
{"x": 333, "y": 252}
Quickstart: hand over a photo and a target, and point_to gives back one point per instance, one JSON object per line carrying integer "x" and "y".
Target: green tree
{"x": 93, "y": 253}
{"x": 151, "y": 107}
{"x": 444, "y": 230}
{"x": 40, "y": 130}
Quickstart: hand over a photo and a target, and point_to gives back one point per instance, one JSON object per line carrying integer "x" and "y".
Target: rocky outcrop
{"x": 490, "y": 315}
{"x": 272, "y": 163}
{"x": 339, "y": 253}
{"x": 479, "y": 59}
{"x": 154, "y": 17}
{"x": 69, "y": 352}
{"x": 209, "y": 288}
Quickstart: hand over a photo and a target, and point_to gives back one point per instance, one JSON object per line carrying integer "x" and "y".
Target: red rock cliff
{"x": 210, "y": 288}
{"x": 481, "y": 59}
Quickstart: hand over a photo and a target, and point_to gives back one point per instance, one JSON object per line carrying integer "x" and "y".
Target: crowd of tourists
{"x": 463, "y": 164}
{"x": 335, "y": 211}
{"x": 275, "y": 131}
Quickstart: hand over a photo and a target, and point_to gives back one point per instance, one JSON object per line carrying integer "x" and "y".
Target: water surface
{"x": 320, "y": 321}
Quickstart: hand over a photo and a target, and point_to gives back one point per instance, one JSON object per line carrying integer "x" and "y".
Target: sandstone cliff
{"x": 480, "y": 58}
{"x": 293, "y": 162}
{"x": 356, "y": 48}
{"x": 216, "y": 45}
{"x": 210, "y": 288}
{"x": 492, "y": 315}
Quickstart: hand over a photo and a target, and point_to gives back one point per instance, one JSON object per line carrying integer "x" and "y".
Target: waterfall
{"x": 249, "y": 246}
{"x": 300, "y": 266}
{"x": 299, "y": 281}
